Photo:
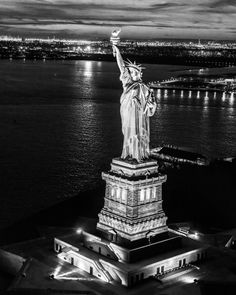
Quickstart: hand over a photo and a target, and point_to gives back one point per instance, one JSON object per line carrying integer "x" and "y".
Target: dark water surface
{"x": 60, "y": 127}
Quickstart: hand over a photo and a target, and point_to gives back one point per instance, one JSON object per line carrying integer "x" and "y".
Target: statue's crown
{"x": 131, "y": 64}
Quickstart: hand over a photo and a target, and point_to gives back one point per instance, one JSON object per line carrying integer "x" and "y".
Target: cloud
{"x": 167, "y": 5}
{"x": 222, "y": 7}
{"x": 154, "y": 16}
{"x": 224, "y": 3}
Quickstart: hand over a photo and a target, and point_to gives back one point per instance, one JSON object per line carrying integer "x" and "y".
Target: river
{"x": 60, "y": 127}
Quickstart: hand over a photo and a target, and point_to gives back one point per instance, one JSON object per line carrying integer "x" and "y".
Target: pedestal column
{"x": 133, "y": 200}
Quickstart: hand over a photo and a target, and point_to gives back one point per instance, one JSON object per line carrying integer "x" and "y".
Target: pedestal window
{"x": 148, "y": 194}
{"x": 142, "y": 195}
{"x": 118, "y": 193}
{"x": 154, "y": 192}
{"x": 112, "y": 192}
{"x": 123, "y": 195}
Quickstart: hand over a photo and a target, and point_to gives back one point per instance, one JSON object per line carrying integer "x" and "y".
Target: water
{"x": 60, "y": 127}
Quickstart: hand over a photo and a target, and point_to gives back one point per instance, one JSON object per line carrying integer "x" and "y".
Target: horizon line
{"x": 104, "y": 39}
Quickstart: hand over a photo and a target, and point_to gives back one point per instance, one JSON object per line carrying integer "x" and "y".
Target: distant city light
{"x": 220, "y": 53}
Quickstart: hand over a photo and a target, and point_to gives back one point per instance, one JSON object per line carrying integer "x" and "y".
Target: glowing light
{"x": 75, "y": 279}
{"x": 142, "y": 195}
{"x": 67, "y": 273}
{"x": 103, "y": 279}
{"x": 67, "y": 278}
{"x": 154, "y": 192}
{"x": 112, "y": 192}
{"x": 196, "y": 235}
{"x": 118, "y": 193}
{"x": 148, "y": 193}
{"x": 57, "y": 270}
{"x": 232, "y": 96}
{"x": 223, "y": 96}
{"x": 79, "y": 230}
{"x": 88, "y": 65}
{"x": 206, "y": 99}
{"x": 124, "y": 195}
{"x": 188, "y": 279}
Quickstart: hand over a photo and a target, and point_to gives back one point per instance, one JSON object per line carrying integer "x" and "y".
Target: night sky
{"x": 140, "y": 19}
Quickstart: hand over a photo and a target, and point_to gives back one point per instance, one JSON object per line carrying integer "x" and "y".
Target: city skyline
{"x": 210, "y": 19}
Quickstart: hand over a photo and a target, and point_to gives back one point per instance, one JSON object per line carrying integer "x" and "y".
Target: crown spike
{"x": 131, "y": 64}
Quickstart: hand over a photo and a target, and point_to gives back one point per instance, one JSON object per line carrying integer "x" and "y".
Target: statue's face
{"x": 135, "y": 74}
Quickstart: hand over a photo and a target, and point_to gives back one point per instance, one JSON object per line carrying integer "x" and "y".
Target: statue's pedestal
{"x": 131, "y": 241}
{"x": 133, "y": 201}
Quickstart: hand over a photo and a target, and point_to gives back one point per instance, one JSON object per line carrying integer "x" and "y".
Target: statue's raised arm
{"x": 116, "y": 52}
{"x": 119, "y": 58}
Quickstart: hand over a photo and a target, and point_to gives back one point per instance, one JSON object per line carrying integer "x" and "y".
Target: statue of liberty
{"x": 137, "y": 104}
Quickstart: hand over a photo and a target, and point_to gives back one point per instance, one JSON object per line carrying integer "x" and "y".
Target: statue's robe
{"x": 136, "y": 106}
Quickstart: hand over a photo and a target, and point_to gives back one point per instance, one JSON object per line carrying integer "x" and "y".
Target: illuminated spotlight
{"x": 194, "y": 266}
{"x": 56, "y": 272}
{"x": 67, "y": 278}
{"x": 67, "y": 273}
{"x": 196, "y": 235}
{"x": 104, "y": 280}
{"x": 77, "y": 279}
{"x": 188, "y": 279}
{"x": 79, "y": 230}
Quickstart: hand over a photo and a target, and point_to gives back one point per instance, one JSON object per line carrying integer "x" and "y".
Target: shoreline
{"x": 169, "y": 60}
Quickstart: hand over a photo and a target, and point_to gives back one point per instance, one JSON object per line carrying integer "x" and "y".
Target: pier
{"x": 190, "y": 84}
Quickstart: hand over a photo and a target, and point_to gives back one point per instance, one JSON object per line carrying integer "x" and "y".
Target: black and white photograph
{"x": 117, "y": 147}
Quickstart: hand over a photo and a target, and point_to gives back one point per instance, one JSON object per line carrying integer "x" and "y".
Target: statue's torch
{"x": 115, "y": 39}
